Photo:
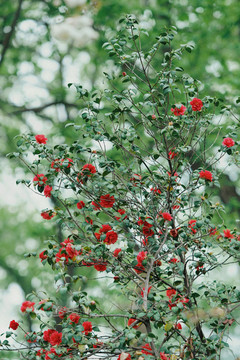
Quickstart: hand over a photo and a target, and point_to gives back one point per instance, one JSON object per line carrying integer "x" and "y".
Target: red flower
{"x": 131, "y": 321}
{"x": 179, "y": 111}
{"x": 144, "y": 222}
{"x": 47, "y": 191}
{"x": 62, "y": 312}
{"x": 142, "y": 255}
{"x": 163, "y": 356}
{"x": 120, "y": 357}
{"x": 154, "y": 117}
{"x": 96, "y": 206}
{"x": 55, "y": 338}
{"x": 88, "y": 170}
{"x": 116, "y": 252}
{"x": 205, "y": 174}
{"x": 42, "y": 256}
{"x": 155, "y": 190}
{"x": 167, "y": 216}
{"x": 100, "y": 267}
{"x": 40, "y": 139}
{"x": 47, "y": 334}
{"x": 172, "y": 155}
{"x": 48, "y": 215}
{"x": 196, "y": 104}
{"x": 80, "y": 205}
{"x": 124, "y": 73}
{"x": 105, "y": 228}
{"x": 147, "y": 350}
{"x": 191, "y": 225}
{"x": 174, "y": 233}
{"x": 40, "y": 352}
{"x": 87, "y": 327}
{"x": 39, "y": 179}
{"x": 228, "y": 142}
{"x": 97, "y": 235}
{"x": 74, "y": 318}
{"x": 149, "y": 289}
{"x": 178, "y": 326}
{"x": 111, "y": 238}
{"x": 170, "y": 292}
{"x": 212, "y": 231}
{"x": 227, "y": 234}
{"x": 173, "y": 260}
{"x": 147, "y": 231}
{"x": 27, "y": 305}
{"x": 107, "y": 201}
{"x": 13, "y": 325}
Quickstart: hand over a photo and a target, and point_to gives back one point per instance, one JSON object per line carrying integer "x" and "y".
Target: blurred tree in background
{"x": 47, "y": 44}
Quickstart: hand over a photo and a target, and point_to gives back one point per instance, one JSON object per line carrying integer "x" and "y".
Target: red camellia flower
{"x": 116, "y": 252}
{"x": 147, "y": 231}
{"x": 42, "y": 256}
{"x": 173, "y": 261}
{"x": 174, "y": 233}
{"x": 55, "y": 338}
{"x": 131, "y": 321}
{"x": 111, "y": 238}
{"x": 228, "y": 142}
{"x": 196, "y": 104}
{"x": 100, "y": 267}
{"x": 142, "y": 255}
{"x": 155, "y": 190}
{"x": 105, "y": 228}
{"x": 48, "y": 215}
{"x": 146, "y": 349}
{"x": 39, "y": 179}
{"x": 170, "y": 292}
{"x": 96, "y": 206}
{"x": 191, "y": 225}
{"x": 13, "y": 325}
{"x": 41, "y": 139}
{"x": 80, "y": 205}
{"x": 205, "y": 174}
{"x": 124, "y": 356}
{"x": 167, "y": 216}
{"x": 107, "y": 201}
{"x": 47, "y": 191}
{"x": 41, "y": 352}
{"x": 88, "y": 170}
{"x": 179, "y": 111}
{"x": 227, "y": 234}
{"x": 47, "y": 334}
{"x": 124, "y": 73}
{"x": 172, "y": 155}
{"x": 87, "y": 327}
{"x": 27, "y": 305}
{"x": 163, "y": 356}
{"x": 74, "y": 318}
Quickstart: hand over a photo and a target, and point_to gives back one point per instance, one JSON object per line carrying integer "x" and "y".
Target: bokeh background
{"x": 46, "y": 44}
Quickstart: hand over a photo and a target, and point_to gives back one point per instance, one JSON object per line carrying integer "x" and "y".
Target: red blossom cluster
{"x": 67, "y": 251}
